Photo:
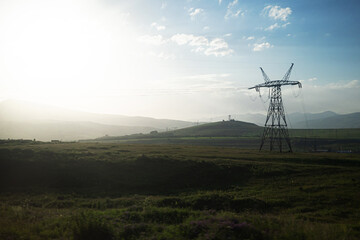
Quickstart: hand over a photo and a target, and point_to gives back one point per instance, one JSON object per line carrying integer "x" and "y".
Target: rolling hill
{"x": 21, "y": 111}
{"x": 64, "y": 131}
{"x": 217, "y": 129}
{"x": 220, "y": 129}
{"x": 24, "y": 120}
{"x": 20, "y": 119}
{"x": 323, "y": 120}
{"x": 336, "y": 121}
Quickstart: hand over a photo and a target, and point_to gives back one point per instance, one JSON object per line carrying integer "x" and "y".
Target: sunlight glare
{"x": 59, "y": 51}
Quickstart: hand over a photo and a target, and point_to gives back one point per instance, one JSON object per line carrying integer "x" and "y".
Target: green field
{"x": 246, "y": 135}
{"x": 173, "y": 191}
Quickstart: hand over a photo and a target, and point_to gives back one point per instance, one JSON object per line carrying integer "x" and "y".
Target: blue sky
{"x": 321, "y": 37}
{"x": 184, "y": 59}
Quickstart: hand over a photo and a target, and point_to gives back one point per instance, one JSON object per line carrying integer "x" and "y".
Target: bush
{"x": 91, "y": 227}
{"x": 220, "y": 228}
{"x": 133, "y": 231}
{"x": 165, "y": 215}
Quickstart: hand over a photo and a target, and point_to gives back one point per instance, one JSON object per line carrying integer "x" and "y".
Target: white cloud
{"x": 152, "y": 40}
{"x": 182, "y": 39}
{"x": 312, "y": 79}
{"x": 158, "y": 26}
{"x": 232, "y": 4}
{"x": 198, "y": 41}
{"x": 343, "y": 85}
{"x": 228, "y": 35}
{"x": 193, "y": 12}
{"x": 232, "y": 11}
{"x": 285, "y": 24}
{"x": 206, "y": 28}
{"x": 276, "y": 25}
{"x": 272, "y": 27}
{"x": 248, "y": 38}
{"x": 216, "y": 47}
{"x": 220, "y": 2}
{"x": 261, "y": 46}
{"x": 277, "y": 13}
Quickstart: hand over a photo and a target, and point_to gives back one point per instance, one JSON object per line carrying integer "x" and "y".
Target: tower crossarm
{"x": 276, "y": 83}
{"x": 266, "y": 78}
{"x": 287, "y": 74}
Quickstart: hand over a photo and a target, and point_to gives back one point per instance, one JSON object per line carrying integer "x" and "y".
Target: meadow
{"x": 246, "y": 136}
{"x": 107, "y": 190}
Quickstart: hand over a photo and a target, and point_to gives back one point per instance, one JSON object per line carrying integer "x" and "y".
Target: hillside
{"x": 14, "y": 110}
{"x": 220, "y": 129}
{"x": 297, "y": 120}
{"x": 64, "y": 131}
{"x": 19, "y": 119}
{"x": 217, "y": 129}
{"x": 24, "y": 120}
{"x": 337, "y": 121}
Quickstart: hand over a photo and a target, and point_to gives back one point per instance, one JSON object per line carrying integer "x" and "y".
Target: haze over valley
{"x": 26, "y": 120}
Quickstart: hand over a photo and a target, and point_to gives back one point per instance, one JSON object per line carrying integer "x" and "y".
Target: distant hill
{"x": 14, "y": 110}
{"x": 220, "y": 129}
{"x": 24, "y": 120}
{"x": 351, "y": 120}
{"x": 323, "y": 120}
{"x": 217, "y": 129}
{"x": 256, "y": 118}
{"x": 64, "y": 131}
{"x": 20, "y": 119}
{"x": 300, "y": 117}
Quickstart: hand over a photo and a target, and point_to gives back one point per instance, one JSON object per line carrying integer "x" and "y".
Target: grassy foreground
{"x": 134, "y": 191}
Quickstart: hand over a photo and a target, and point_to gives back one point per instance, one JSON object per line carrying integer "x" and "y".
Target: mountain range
{"x": 20, "y": 119}
{"x": 24, "y": 120}
{"x": 323, "y": 120}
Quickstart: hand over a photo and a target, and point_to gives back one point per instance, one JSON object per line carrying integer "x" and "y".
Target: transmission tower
{"x": 275, "y": 125}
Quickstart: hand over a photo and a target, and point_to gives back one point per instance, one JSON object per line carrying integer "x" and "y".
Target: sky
{"x": 183, "y": 59}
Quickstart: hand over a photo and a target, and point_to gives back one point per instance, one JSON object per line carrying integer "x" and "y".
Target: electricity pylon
{"x": 275, "y": 125}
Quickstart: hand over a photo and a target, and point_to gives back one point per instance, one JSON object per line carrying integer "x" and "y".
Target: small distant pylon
{"x": 275, "y": 125}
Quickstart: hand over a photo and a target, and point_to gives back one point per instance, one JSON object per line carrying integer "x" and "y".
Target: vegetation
{"x": 245, "y": 135}
{"x": 134, "y": 191}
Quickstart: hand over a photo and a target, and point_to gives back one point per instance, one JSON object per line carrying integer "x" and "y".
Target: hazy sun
{"x": 69, "y": 49}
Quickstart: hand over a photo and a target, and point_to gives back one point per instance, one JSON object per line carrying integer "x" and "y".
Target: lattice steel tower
{"x": 275, "y": 125}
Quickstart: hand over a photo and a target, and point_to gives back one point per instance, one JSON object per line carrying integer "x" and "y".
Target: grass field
{"x": 299, "y": 144}
{"x": 136, "y": 191}
{"x": 246, "y": 135}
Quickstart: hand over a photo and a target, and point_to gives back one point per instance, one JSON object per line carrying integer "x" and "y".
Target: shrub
{"x": 220, "y": 228}
{"x": 91, "y": 227}
{"x": 133, "y": 231}
{"x": 165, "y": 215}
